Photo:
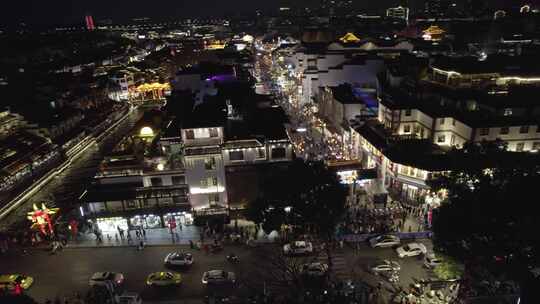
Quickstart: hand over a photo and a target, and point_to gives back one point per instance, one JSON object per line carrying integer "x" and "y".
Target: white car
{"x": 129, "y": 298}
{"x": 411, "y": 249}
{"x": 100, "y": 278}
{"x": 298, "y": 247}
{"x": 178, "y": 259}
{"x": 432, "y": 261}
{"x": 385, "y": 266}
{"x": 218, "y": 277}
{"x": 315, "y": 269}
{"x": 385, "y": 240}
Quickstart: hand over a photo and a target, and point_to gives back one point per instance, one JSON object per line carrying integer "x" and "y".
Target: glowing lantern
{"x": 146, "y": 132}
{"x": 41, "y": 218}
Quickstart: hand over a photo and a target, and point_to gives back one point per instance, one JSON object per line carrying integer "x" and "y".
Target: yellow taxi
{"x": 8, "y": 281}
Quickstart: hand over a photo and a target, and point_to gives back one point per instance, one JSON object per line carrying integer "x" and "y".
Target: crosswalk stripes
{"x": 339, "y": 267}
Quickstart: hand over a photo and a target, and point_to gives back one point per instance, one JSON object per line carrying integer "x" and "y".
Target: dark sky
{"x": 70, "y": 11}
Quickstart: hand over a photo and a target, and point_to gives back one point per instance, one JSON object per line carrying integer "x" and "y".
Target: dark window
{"x": 519, "y": 147}
{"x": 190, "y": 134}
{"x": 536, "y": 146}
{"x": 441, "y": 121}
{"x": 505, "y": 130}
{"x": 210, "y": 163}
{"x": 214, "y": 181}
{"x": 524, "y": 129}
{"x": 278, "y": 153}
{"x": 236, "y": 155}
{"x": 156, "y": 181}
{"x": 441, "y": 138}
{"x": 484, "y": 131}
{"x": 261, "y": 153}
{"x": 453, "y": 122}
{"x": 407, "y": 129}
{"x": 178, "y": 180}
{"x": 214, "y": 132}
{"x": 408, "y": 112}
{"x": 213, "y": 198}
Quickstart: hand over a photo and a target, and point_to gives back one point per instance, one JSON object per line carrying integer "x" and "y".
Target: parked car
{"x": 298, "y": 247}
{"x": 384, "y": 240}
{"x": 385, "y": 266}
{"x": 315, "y": 269}
{"x": 218, "y": 277}
{"x": 411, "y": 249}
{"x": 178, "y": 259}
{"x": 431, "y": 261}
{"x": 8, "y": 281}
{"x": 129, "y": 298}
{"x": 100, "y": 278}
{"x": 164, "y": 278}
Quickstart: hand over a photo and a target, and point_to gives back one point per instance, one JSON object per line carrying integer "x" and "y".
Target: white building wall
{"x": 200, "y": 180}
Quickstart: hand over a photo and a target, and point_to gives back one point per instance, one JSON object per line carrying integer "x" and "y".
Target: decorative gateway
{"x": 41, "y": 218}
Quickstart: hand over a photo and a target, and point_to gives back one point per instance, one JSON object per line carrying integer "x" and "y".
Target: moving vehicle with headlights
{"x": 100, "y": 278}
{"x": 178, "y": 259}
{"x": 411, "y": 249}
{"x": 218, "y": 277}
{"x": 384, "y": 241}
{"x": 163, "y": 278}
{"x": 315, "y": 269}
{"x": 298, "y": 248}
{"x": 9, "y": 281}
{"x": 431, "y": 261}
{"x": 385, "y": 266}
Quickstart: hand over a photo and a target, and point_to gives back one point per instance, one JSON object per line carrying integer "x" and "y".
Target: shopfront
{"x": 179, "y": 218}
{"x": 146, "y": 221}
{"x": 111, "y": 224}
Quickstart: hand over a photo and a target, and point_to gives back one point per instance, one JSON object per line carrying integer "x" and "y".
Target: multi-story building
{"x": 347, "y": 60}
{"x": 399, "y": 12}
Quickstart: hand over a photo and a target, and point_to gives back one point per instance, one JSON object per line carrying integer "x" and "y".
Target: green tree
{"x": 305, "y": 194}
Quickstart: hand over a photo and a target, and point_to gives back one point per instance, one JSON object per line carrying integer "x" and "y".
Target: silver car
{"x": 385, "y": 240}
{"x": 100, "y": 278}
{"x": 178, "y": 259}
{"x": 431, "y": 261}
{"x": 385, "y": 266}
{"x": 315, "y": 269}
{"x": 218, "y": 277}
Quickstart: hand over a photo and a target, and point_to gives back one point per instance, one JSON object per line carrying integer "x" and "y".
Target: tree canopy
{"x": 304, "y": 194}
{"x": 491, "y": 214}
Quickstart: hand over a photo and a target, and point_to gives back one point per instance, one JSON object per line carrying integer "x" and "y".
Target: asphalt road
{"x": 68, "y": 271}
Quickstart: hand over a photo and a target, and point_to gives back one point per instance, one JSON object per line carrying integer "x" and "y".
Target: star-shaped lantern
{"x": 41, "y": 218}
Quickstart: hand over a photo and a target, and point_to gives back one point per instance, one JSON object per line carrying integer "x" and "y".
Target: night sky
{"x": 72, "y": 11}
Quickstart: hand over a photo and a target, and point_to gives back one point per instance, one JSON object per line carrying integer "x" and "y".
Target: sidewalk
{"x": 154, "y": 237}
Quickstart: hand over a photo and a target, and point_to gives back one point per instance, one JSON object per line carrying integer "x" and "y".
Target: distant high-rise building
{"x": 89, "y": 23}
{"x": 399, "y": 12}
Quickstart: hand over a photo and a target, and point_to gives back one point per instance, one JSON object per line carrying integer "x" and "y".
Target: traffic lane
{"x": 362, "y": 258}
{"x": 68, "y": 271}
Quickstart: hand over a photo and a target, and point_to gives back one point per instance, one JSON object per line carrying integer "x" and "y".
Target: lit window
{"x": 524, "y": 129}
{"x": 441, "y": 138}
{"x": 204, "y": 183}
{"x": 505, "y": 130}
{"x": 507, "y": 112}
